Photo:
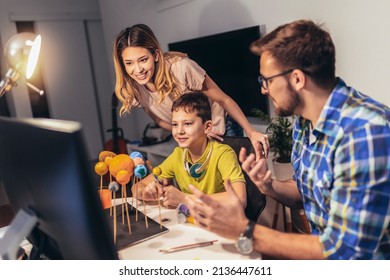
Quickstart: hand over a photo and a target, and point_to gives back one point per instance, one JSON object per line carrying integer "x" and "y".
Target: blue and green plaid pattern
{"x": 343, "y": 174}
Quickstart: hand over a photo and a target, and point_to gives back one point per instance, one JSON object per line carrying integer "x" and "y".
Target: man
{"x": 341, "y": 157}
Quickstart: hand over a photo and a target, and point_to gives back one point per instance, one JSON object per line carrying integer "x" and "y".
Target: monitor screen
{"x": 228, "y": 61}
{"x": 44, "y": 168}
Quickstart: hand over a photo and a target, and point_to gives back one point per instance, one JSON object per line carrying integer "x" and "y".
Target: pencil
{"x": 189, "y": 246}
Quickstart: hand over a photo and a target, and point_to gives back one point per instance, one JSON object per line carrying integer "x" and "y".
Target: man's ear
{"x": 298, "y": 79}
{"x": 208, "y": 127}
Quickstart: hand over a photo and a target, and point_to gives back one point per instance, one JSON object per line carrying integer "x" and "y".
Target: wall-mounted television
{"x": 229, "y": 62}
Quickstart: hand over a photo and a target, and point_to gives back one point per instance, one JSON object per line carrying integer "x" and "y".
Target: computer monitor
{"x": 45, "y": 171}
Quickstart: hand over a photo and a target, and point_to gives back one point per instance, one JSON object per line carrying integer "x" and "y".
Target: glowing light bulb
{"x": 33, "y": 57}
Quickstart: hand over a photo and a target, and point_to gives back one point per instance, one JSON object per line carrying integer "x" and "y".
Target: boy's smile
{"x": 189, "y": 131}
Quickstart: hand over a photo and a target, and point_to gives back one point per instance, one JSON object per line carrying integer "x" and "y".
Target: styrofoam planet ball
{"x": 101, "y": 168}
{"x": 140, "y": 171}
{"x": 122, "y": 177}
{"x": 157, "y": 171}
{"x": 138, "y": 161}
{"x": 136, "y": 154}
{"x": 105, "y": 154}
{"x": 108, "y": 160}
{"x": 113, "y": 186}
{"x": 121, "y": 162}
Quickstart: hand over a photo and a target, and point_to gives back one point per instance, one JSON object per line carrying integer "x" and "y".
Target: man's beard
{"x": 293, "y": 102}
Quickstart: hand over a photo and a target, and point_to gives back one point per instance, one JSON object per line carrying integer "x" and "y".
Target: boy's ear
{"x": 208, "y": 127}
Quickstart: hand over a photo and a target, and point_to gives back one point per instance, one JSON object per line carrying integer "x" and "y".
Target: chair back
{"x": 256, "y": 201}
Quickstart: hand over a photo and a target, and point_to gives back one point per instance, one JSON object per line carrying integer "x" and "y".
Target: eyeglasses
{"x": 263, "y": 81}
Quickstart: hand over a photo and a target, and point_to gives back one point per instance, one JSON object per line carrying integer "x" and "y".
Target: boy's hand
{"x": 153, "y": 191}
{"x": 172, "y": 196}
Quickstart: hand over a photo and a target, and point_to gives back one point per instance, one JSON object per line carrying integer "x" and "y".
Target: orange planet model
{"x": 123, "y": 177}
{"x": 121, "y": 162}
{"x": 105, "y": 154}
{"x": 101, "y": 168}
{"x": 108, "y": 160}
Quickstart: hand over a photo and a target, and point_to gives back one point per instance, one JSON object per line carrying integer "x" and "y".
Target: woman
{"x": 148, "y": 78}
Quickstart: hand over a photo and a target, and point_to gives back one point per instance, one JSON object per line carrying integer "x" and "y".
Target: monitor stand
{"x": 23, "y": 223}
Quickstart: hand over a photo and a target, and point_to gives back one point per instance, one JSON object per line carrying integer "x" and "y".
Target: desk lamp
{"x": 21, "y": 53}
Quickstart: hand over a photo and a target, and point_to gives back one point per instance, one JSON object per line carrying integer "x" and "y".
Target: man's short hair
{"x": 301, "y": 45}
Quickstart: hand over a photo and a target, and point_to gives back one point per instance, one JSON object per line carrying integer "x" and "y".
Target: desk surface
{"x": 178, "y": 235}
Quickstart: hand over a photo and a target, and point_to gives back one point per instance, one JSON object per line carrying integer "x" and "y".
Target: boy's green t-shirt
{"x": 223, "y": 164}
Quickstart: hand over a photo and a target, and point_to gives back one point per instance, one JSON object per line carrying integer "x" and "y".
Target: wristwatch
{"x": 244, "y": 243}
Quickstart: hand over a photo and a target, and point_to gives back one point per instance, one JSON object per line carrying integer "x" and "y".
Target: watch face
{"x": 245, "y": 245}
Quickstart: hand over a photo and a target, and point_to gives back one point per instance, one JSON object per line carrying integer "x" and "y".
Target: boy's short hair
{"x": 194, "y": 102}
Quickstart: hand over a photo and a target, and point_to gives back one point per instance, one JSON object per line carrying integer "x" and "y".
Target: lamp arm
{"x": 8, "y": 81}
{"x": 40, "y": 91}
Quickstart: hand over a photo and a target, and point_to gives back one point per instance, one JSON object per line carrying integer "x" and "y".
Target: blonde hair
{"x": 126, "y": 89}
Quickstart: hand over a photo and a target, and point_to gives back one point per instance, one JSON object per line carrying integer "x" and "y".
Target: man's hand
{"x": 226, "y": 219}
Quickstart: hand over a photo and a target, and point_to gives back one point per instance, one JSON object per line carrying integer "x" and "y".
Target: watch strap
{"x": 248, "y": 232}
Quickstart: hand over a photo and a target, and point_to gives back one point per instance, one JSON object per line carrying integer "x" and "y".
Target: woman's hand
{"x": 216, "y": 135}
{"x": 257, "y": 171}
{"x": 260, "y": 143}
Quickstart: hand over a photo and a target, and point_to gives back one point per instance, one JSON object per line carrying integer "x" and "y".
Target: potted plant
{"x": 280, "y": 139}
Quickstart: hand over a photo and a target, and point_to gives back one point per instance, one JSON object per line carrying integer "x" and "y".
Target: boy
{"x": 199, "y": 161}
